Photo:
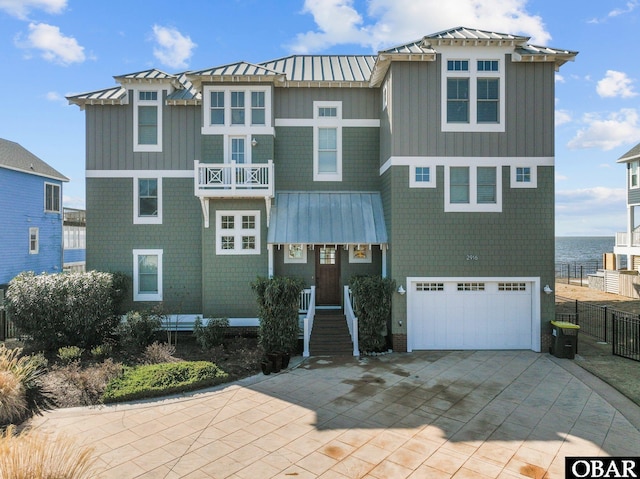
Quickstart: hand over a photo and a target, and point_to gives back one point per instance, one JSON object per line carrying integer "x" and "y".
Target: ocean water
{"x": 583, "y": 249}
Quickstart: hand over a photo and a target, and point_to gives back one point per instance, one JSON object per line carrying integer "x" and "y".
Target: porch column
{"x": 270, "y": 259}
{"x": 384, "y": 260}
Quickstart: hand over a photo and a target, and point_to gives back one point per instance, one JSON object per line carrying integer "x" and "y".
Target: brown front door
{"x": 327, "y": 275}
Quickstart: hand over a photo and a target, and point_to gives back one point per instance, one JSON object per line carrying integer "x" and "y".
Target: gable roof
{"x": 632, "y": 154}
{"x": 353, "y": 69}
{"x": 15, "y": 157}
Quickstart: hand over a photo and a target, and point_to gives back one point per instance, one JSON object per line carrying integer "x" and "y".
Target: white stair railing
{"x": 352, "y": 321}
{"x": 308, "y": 300}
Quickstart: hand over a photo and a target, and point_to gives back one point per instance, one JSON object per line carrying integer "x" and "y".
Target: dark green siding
{"x": 294, "y": 160}
{"x": 110, "y": 215}
{"x": 226, "y": 279}
{"x": 213, "y": 148}
{"x": 357, "y": 103}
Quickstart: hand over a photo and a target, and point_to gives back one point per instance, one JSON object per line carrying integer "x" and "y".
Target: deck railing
{"x": 308, "y": 306}
{"x": 352, "y": 321}
{"x": 622, "y": 239}
{"x": 231, "y": 180}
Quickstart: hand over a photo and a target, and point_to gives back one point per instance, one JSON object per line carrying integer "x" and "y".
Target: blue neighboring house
{"x": 30, "y": 213}
{"x": 74, "y": 231}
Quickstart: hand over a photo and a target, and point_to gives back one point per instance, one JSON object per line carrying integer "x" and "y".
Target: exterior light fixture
{"x": 547, "y": 289}
{"x": 401, "y": 290}
{"x": 254, "y": 142}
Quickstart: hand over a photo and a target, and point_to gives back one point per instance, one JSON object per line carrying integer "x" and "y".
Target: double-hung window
{"x": 147, "y": 274}
{"x": 51, "y": 198}
{"x": 34, "y": 240}
{"x": 147, "y": 200}
{"x": 257, "y": 108}
{"x": 237, "y": 232}
{"x": 147, "y": 120}
{"x": 217, "y": 108}
{"x": 327, "y": 140}
{"x": 237, "y": 108}
{"x": 634, "y": 167}
{"x": 473, "y": 188}
{"x": 474, "y": 96}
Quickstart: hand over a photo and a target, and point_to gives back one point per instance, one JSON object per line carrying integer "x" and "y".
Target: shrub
{"x": 83, "y": 385}
{"x": 70, "y": 353}
{"x": 139, "y": 330}
{"x": 158, "y": 353}
{"x": 212, "y": 334}
{"x": 278, "y": 303}
{"x": 162, "y": 379}
{"x": 32, "y": 455}
{"x": 13, "y": 398}
{"x": 373, "y": 309}
{"x": 67, "y": 309}
{"x": 101, "y": 351}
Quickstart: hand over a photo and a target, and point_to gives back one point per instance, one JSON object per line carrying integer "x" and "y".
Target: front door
{"x": 327, "y": 276}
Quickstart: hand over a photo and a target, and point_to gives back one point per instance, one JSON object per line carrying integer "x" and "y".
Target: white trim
{"x": 473, "y": 55}
{"x": 146, "y": 220}
{"x": 35, "y": 173}
{"x": 532, "y": 183}
{"x": 137, "y": 103}
{"x": 346, "y": 122}
{"x": 227, "y": 150}
{"x": 334, "y": 122}
{"x": 288, "y": 260}
{"x": 466, "y": 160}
{"x": 536, "y": 324}
{"x": 237, "y": 130}
{"x": 139, "y": 173}
{"x": 238, "y": 232}
{"x": 630, "y": 169}
{"x": 137, "y": 296}
{"x": 55, "y": 185}
{"x": 473, "y": 205}
{"x": 422, "y": 184}
{"x": 34, "y": 230}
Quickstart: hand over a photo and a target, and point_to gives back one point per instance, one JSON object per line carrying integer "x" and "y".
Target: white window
{"x": 474, "y": 91}
{"x": 524, "y": 177}
{"x": 238, "y": 150}
{"x": 74, "y": 237}
{"x": 327, "y": 141}
{"x": 147, "y": 275}
{"x": 422, "y": 176}
{"x": 473, "y": 188}
{"x": 237, "y": 232}
{"x": 147, "y": 120}
{"x": 34, "y": 240}
{"x": 634, "y": 166}
{"x": 295, "y": 253}
{"x": 359, "y": 253}
{"x": 237, "y": 111}
{"x": 147, "y": 201}
{"x": 51, "y": 198}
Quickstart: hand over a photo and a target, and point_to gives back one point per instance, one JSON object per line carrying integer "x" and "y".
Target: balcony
{"x": 231, "y": 180}
{"x": 622, "y": 239}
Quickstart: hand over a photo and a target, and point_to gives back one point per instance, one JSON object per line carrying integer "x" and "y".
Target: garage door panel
{"x": 468, "y": 315}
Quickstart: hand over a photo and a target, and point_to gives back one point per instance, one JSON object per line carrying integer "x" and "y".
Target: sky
{"x": 53, "y": 48}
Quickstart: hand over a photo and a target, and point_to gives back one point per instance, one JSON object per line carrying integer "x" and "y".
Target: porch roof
{"x": 327, "y": 218}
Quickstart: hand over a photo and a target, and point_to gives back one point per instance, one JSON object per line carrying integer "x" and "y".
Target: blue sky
{"x": 53, "y": 48}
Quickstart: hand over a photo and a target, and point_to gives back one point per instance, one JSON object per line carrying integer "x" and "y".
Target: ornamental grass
{"x": 32, "y": 455}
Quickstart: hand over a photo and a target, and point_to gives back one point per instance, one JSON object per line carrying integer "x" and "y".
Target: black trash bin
{"x": 565, "y": 339}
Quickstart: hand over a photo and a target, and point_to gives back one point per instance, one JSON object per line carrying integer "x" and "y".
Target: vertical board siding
{"x": 357, "y": 103}
{"x": 25, "y": 194}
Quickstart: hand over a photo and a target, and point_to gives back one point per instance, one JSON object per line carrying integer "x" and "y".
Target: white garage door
{"x": 470, "y": 315}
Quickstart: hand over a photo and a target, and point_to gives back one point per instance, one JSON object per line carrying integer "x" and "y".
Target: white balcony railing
{"x": 231, "y": 180}
{"x": 352, "y": 321}
{"x": 308, "y": 306}
{"x": 622, "y": 239}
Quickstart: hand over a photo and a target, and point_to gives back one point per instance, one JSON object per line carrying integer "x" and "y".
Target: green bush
{"x": 278, "y": 304}
{"x": 66, "y": 309}
{"x": 212, "y": 334}
{"x": 373, "y": 309}
{"x": 69, "y": 354}
{"x": 101, "y": 351}
{"x": 139, "y": 329}
{"x": 162, "y": 379}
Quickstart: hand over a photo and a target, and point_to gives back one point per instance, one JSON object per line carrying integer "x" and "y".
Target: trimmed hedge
{"x": 373, "y": 309}
{"x": 155, "y": 380}
{"x": 66, "y": 309}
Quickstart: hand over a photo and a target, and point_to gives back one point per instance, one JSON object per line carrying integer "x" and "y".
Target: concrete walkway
{"x": 475, "y": 414}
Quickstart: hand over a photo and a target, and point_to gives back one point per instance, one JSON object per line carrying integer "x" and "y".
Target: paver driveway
{"x": 479, "y": 414}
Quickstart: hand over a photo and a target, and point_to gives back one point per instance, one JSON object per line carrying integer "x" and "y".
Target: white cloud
{"x": 559, "y": 78}
{"x": 617, "y": 129}
{"x": 390, "y": 22}
{"x": 54, "y": 96}
{"x": 174, "y": 49}
{"x": 21, "y": 8}
{"x": 590, "y": 211}
{"x": 562, "y": 117}
{"x": 630, "y": 6}
{"x": 560, "y": 177}
{"x": 53, "y": 45}
{"x": 615, "y": 84}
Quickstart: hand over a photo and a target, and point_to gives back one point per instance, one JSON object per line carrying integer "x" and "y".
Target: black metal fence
{"x": 618, "y": 328}
{"x": 576, "y": 272}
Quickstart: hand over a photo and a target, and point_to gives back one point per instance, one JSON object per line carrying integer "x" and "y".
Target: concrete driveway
{"x": 475, "y": 414}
